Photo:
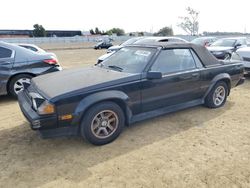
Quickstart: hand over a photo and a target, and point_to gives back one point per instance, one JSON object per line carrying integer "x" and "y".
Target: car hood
{"x": 112, "y": 48}
{"x": 105, "y": 56}
{"x": 219, "y": 48}
{"x": 79, "y": 80}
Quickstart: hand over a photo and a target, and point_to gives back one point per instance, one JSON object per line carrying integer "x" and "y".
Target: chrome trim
{"x": 182, "y": 72}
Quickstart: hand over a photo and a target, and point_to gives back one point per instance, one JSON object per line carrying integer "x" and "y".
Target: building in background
{"x": 29, "y": 33}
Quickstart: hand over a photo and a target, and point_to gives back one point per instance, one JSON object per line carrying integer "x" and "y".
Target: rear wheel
{"x": 102, "y": 123}
{"x": 19, "y": 83}
{"x": 217, "y": 96}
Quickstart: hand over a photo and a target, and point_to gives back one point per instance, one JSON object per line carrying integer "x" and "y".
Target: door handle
{"x": 195, "y": 75}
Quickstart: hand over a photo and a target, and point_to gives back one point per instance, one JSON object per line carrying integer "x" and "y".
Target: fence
{"x": 80, "y": 39}
{"x": 77, "y": 39}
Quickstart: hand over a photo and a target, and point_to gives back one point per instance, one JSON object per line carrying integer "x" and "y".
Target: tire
{"x": 99, "y": 47}
{"x": 102, "y": 123}
{"x": 18, "y": 83}
{"x": 217, "y": 96}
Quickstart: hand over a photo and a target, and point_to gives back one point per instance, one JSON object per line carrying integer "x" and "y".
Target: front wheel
{"x": 102, "y": 123}
{"x": 19, "y": 83}
{"x": 217, "y": 96}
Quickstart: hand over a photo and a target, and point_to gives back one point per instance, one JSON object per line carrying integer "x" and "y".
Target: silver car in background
{"x": 139, "y": 40}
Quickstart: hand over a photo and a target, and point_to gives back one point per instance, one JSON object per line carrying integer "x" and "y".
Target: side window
{"x": 241, "y": 41}
{"x": 5, "y": 53}
{"x": 197, "y": 60}
{"x": 174, "y": 60}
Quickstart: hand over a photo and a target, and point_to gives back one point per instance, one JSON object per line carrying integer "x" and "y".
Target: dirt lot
{"x": 198, "y": 147}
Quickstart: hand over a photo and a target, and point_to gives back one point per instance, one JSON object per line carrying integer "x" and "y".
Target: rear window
{"x": 5, "y": 53}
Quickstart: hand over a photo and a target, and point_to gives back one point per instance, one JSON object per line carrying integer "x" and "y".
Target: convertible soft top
{"x": 205, "y": 56}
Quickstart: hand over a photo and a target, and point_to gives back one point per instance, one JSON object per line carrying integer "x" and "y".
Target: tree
{"x": 190, "y": 23}
{"x": 97, "y": 31}
{"x": 39, "y": 31}
{"x": 117, "y": 31}
{"x": 140, "y": 33}
{"x": 165, "y": 31}
{"x": 109, "y": 33}
{"x": 91, "y": 31}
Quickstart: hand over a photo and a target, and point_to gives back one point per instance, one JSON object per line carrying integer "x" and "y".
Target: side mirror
{"x": 153, "y": 75}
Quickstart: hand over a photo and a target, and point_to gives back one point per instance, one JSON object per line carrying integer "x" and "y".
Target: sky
{"x": 131, "y": 15}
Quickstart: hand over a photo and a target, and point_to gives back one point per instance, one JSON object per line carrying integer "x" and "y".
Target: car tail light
{"x": 51, "y": 61}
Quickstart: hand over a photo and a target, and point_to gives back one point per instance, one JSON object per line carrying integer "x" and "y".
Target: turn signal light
{"x": 66, "y": 117}
{"x": 46, "y": 108}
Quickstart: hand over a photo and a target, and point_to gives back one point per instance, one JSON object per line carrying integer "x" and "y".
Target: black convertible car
{"x": 135, "y": 83}
{"x": 18, "y": 65}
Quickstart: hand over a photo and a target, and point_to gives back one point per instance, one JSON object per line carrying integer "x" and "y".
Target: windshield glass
{"x": 99, "y": 43}
{"x": 224, "y": 42}
{"x": 129, "y": 59}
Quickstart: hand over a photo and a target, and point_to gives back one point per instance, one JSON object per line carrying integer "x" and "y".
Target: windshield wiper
{"x": 115, "y": 67}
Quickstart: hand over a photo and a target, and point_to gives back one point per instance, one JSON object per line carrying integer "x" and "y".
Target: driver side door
{"x": 180, "y": 82}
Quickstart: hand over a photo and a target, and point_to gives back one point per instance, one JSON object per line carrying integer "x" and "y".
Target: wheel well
{"x": 119, "y": 102}
{"x": 8, "y": 83}
{"x": 227, "y": 81}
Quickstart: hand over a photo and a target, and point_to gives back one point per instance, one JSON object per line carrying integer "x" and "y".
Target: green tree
{"x": 91, "y": 31}
{"x": 165, "y": 31}
{"x": 39, "y": 31}
{"x": 117, "y": 31}
{"x": 190, "y": 23}
{"x": 140, "y": 33}
{"x": 97, "y": 31}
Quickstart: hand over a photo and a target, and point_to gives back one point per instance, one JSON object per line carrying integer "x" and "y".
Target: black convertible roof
{"x": 204, "y": 55}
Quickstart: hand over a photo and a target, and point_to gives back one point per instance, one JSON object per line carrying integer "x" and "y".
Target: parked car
{"x": 142, "y": 40}
{"x": 35, "y": 48}
{"x": 243, "y": 54}
{"x": 204, "y": 41}
{"x": 103, "y": 44}
{"x": 115, "y": 48}
{"x": 135, "y": 83}
{"x": 18, "y": 65}
{"x": 127, "y": 42}
{"x": 223, "y": 48}
{"x": 148, "y": 40}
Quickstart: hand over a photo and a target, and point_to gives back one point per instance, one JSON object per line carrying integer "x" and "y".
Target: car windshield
{"x": 224, "y": 42}
{"x": 129, "y": 59}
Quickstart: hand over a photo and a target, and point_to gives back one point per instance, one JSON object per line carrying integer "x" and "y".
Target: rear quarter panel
{"x": 210, "y": 75}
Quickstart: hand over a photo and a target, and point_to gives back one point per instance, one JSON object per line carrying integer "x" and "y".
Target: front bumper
{"x": 36, "y": 121}
{"x": 48, "y": 126}
{"x": 53, "y": 69}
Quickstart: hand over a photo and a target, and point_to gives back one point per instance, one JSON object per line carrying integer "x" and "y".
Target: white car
{"x": 139, "y": 40}
{"x": 244, "y": 54}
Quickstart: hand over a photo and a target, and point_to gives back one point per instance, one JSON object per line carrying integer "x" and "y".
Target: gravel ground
{"x": 197, "y": 147}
